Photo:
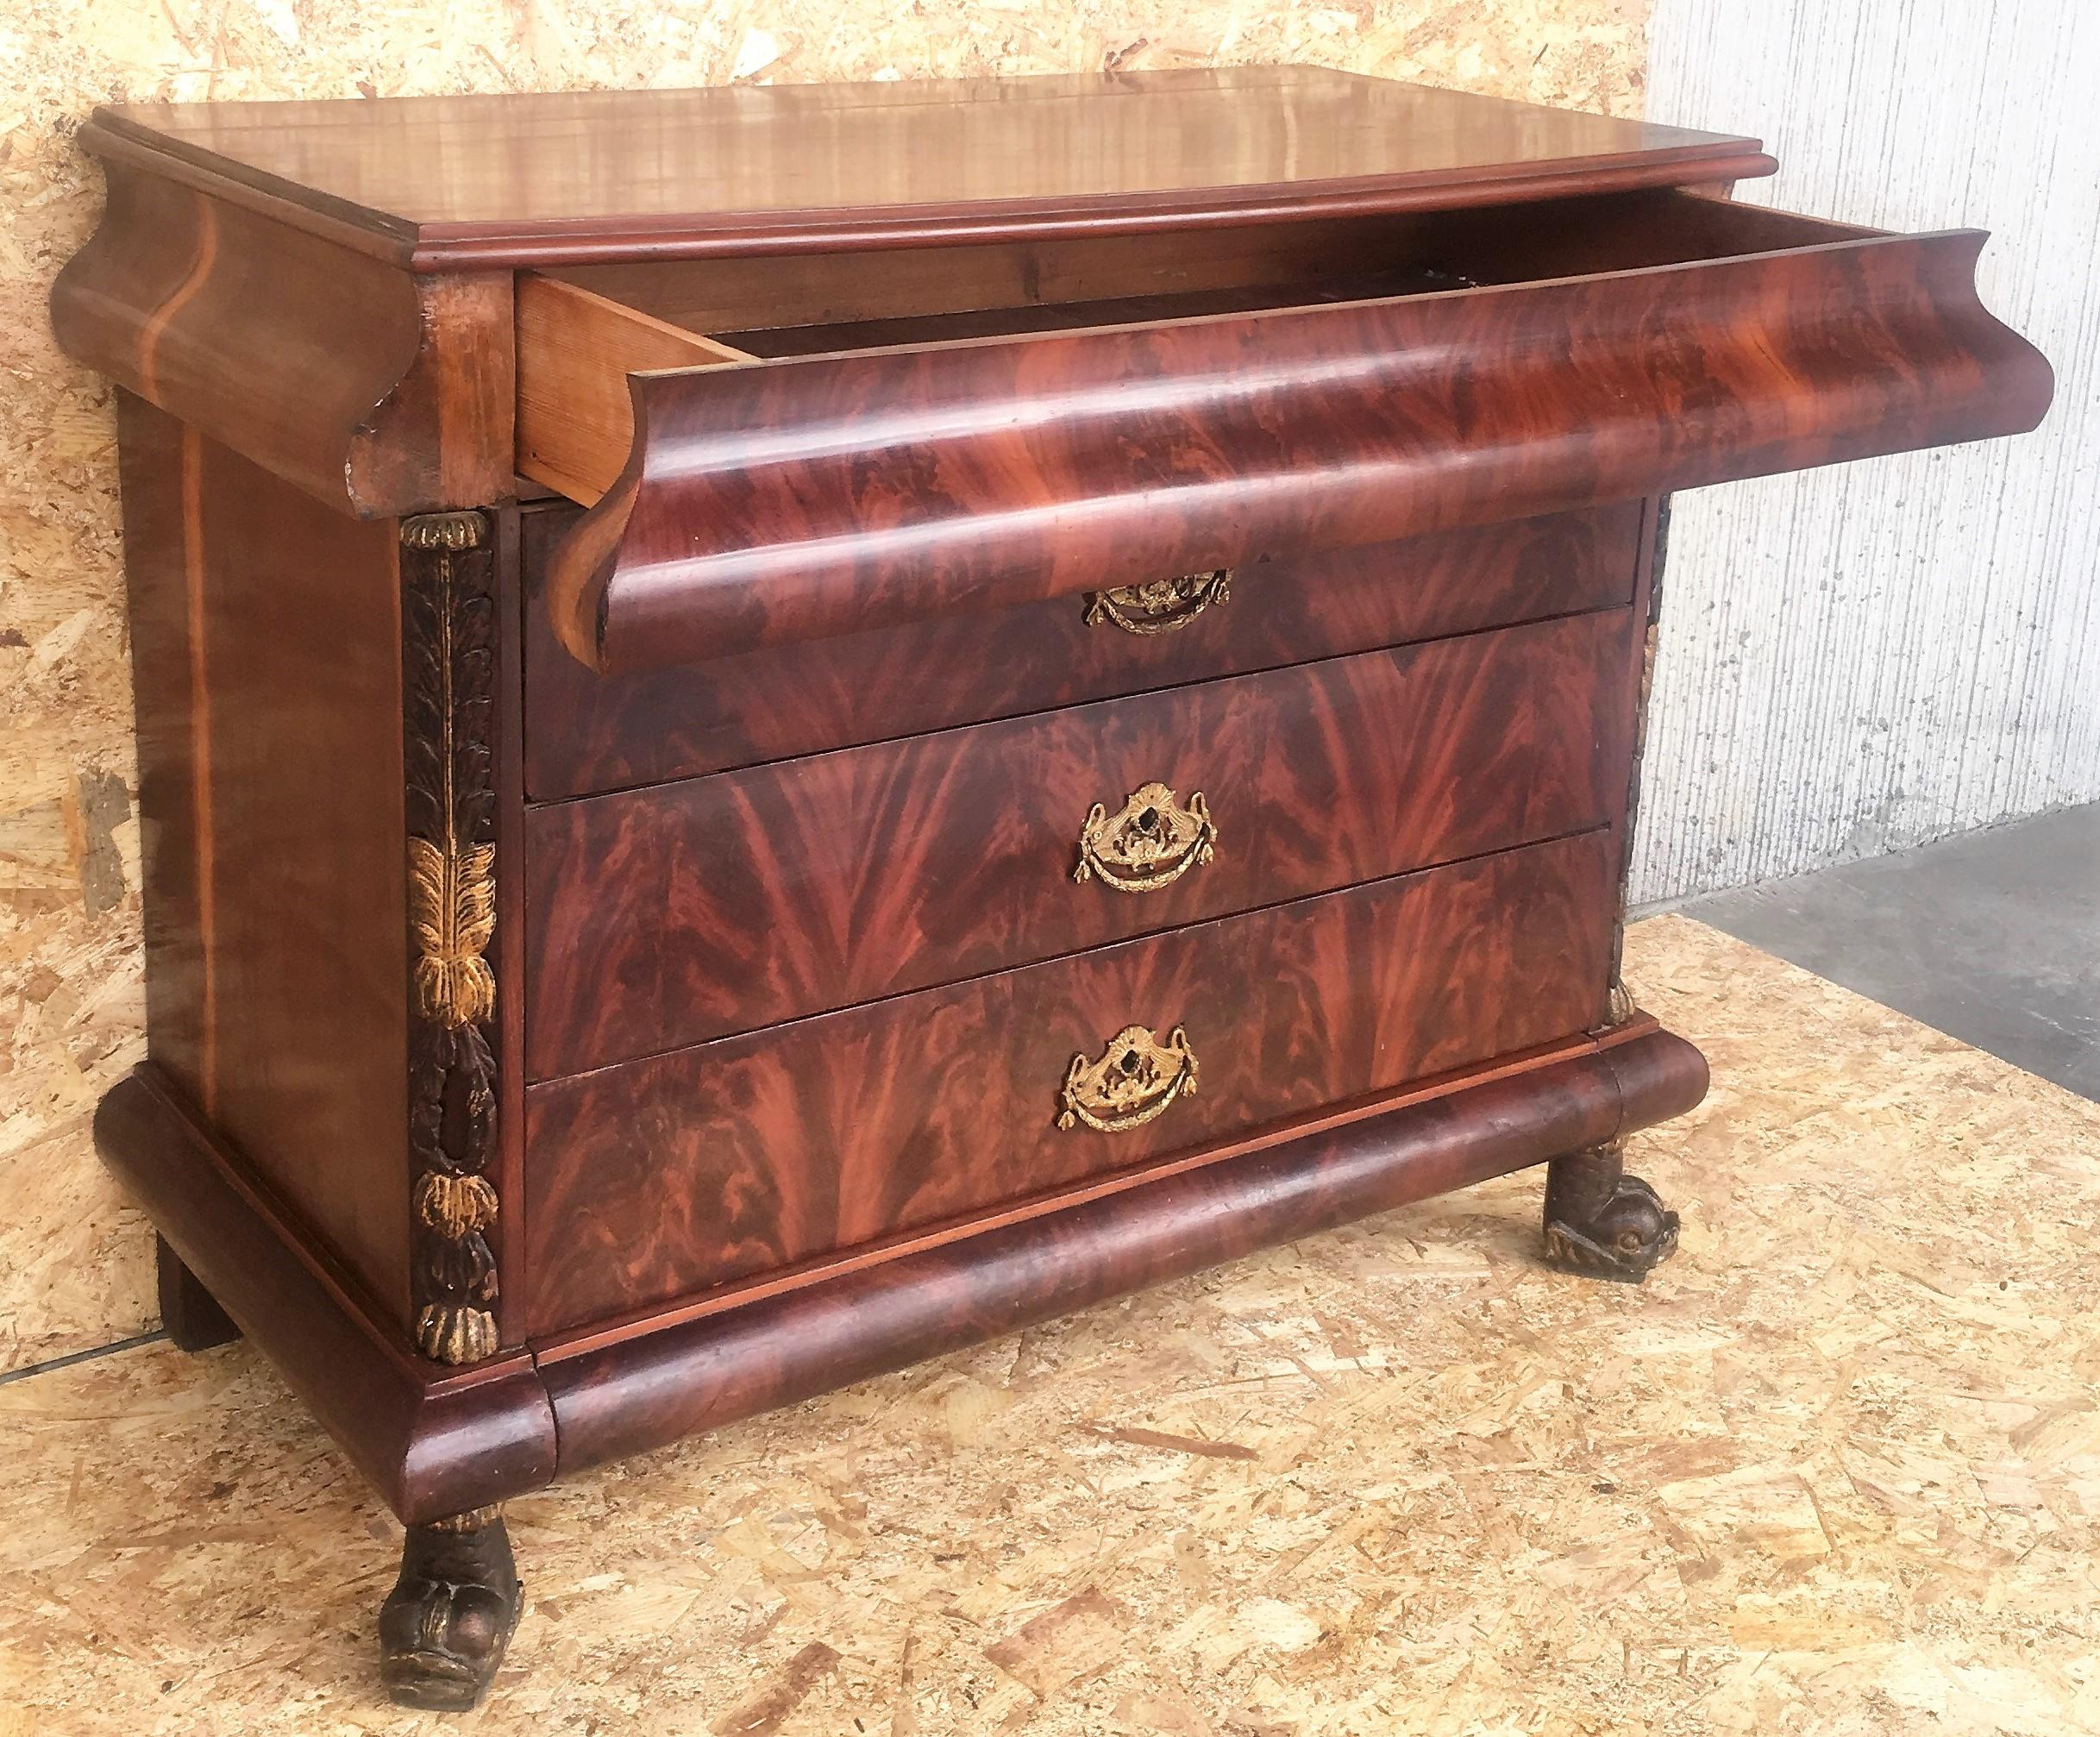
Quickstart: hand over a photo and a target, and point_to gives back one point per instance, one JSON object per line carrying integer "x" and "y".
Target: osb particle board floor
{"x": 1836, "y": 1469}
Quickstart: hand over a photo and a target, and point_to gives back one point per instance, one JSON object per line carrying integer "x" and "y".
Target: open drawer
{"x": 787, "y": 448}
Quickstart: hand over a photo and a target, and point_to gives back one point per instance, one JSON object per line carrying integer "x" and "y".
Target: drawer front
{"x": 586, "y": 732}
{"x": 661, "y": 918}
{"x": 771, "y": 503}
{"x": 666, "y": 1176}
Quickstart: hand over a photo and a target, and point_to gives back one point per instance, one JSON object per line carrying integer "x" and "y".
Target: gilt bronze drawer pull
{"x": 1159, "y": 605}
{"x": 1152, "y": 842}
{"x": 1136, "y": 1079}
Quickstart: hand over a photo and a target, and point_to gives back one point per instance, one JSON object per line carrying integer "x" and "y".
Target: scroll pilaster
{"x": 1619, "y": 999}
{"x": 447, "y": 576}
{"x": 378, "y": 390}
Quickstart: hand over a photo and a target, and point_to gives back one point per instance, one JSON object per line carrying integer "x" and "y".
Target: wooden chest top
{"x": 516, "y": 179}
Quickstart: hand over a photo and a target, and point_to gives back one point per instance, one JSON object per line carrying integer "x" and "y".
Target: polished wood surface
{"x": 666, "y": 917}
{"x": 582, "y": 330}
{"x": 266, "y": 647}
{"x": 587, "y": 732}
{"x": 770, "y": 504}
{"x": 376, "y": 391}
{"x": 506, "y": 952}
{"x": 621, "y": 1393}
{"x": 513, "y": 179}
{"x": 668, "y": 1176}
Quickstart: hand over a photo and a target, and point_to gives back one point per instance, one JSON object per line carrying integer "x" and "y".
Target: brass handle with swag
{"x": 1159, "y": 605}
{"x": 1136, "y": 1079}
{"x": 1150, "y": 843}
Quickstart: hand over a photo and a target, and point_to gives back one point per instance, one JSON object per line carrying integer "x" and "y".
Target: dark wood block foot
{"x": 1602, "y": 1222}
{"x": 191, "y": 1315}
{"x": 444, "y": 1627}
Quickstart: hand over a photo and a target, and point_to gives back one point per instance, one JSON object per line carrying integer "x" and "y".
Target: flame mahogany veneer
{"x": 782, "y": 729}
{"x": 664, "y": 1177}
{"x": 1035, "y": 468}
{"x": 587, "y": 732}
{"x": 666, "y": 917}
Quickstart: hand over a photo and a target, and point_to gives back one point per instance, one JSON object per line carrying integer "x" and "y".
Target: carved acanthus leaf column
{"x": 447, "y": 575}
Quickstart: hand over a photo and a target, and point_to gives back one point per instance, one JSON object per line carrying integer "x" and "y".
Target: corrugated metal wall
{"x": 1867, "y": 657}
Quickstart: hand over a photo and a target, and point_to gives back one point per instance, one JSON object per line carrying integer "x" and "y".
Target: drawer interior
{"x": 582, "y": 330}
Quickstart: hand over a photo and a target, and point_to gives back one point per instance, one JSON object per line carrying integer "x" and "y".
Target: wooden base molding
{"x": 436, "y": 1442}
{"x": 432, "y": 1442}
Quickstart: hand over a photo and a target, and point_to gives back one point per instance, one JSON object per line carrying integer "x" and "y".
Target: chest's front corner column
{"x": 1599, "y": 1221}
{"x": 448, "y": 616}
{"x": 444, "y": 1627}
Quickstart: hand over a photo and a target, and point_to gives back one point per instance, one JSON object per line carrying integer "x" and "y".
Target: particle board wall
{"x": 1936, "y": 663}
{"x": 74, "y": 1267}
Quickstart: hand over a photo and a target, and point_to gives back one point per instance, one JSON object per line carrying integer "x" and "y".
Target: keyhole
{"x": 1149, "y": 821}
{"x": 1129, "y": 1064}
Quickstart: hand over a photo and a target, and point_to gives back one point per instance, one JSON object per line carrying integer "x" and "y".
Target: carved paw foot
{"x": 445, "y": 1626}
{"x": 1602, "y": 1223}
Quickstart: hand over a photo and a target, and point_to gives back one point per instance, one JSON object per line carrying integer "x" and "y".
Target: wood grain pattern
{"x": 668, "y": 1176}
{"x": 785, "y": 501}
{"x": 817, "y": 1057}
{"x": 605, "y": 342}
{"x": 619, "y": 1395}
{"x": 586, "y": 732}
{"x": 507, "y": 952}
{"x": 602, "y": 323}
{"x": 374, "y": 391}
{"x": 526, "y": 179}
{"x": 267, "y": 643}
{"x": 666, "y": 917}
{"x": 575, "y": 348}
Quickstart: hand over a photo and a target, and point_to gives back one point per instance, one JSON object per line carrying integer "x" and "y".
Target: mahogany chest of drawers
{"x": 783, "y": 728}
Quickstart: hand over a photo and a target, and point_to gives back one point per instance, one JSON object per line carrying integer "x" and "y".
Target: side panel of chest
{"x": 265, "y": 634}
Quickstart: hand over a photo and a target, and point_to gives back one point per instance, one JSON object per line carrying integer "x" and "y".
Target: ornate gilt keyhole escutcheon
{"x": 1150, "y": 843}
{"x": 1159, "y": 605}
{"x": 1136, "y": 1079}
